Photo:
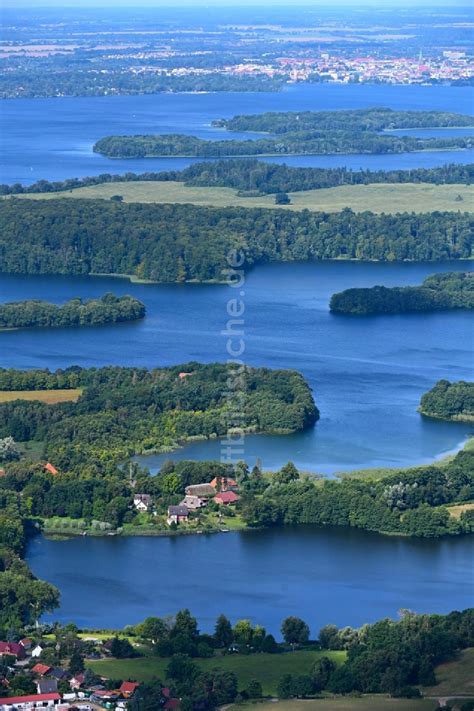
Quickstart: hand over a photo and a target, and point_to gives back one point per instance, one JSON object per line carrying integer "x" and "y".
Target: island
{"x": 449, "y": 401}
{"x": 300, "y": 133}
{"x": 76, "y": 312}
{"x": 187, "y": 243}
{"x": 439, "y": 292}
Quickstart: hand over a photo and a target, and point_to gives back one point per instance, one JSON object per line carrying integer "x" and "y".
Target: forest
{"x": 449, "y": 401}
{"x": 306, "y": 132}
{"x": 76, "y": 312}
{"x": 125, "y": 411}
{"x": 450, "y": 290}
{"x": 252, "y": 176}
{"x": 179, "y": 243}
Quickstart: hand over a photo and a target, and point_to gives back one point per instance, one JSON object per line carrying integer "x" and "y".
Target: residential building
{"x": 177, "y": 514}
{"x": 36, "y": 651}
{"x": 204, "y": 491}
{"x": 128, "y": 688}
{"x": 30, "y": 702}
{"x": 193, "y": 502}
{"x": 224, "y": 498}
{"x": 47, "y": 686}
{"x": 12, "y": 648}
{"x": 142, "y": 502}
{"x": 223, "y": 483}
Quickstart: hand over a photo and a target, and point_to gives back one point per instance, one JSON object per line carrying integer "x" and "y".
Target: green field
{"x": 455, "y": 678}
{"x": 267, "y": 668}
{"x": 50, "y": 397}
{"x": 346, "y": 703}
{"x": 383, "y": 197}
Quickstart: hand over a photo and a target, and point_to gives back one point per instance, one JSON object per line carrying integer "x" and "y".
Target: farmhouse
{"x": 142, "y": 502}
{"x": 193, "y": 502}
{"x": 226, "y": 497}
{"x": 177, "y": 514}
{"x": 204, "y": 491}
{"x": 33, "y": 701}
{"x": 12, "y": 648}
{"x": 223, "y": 483}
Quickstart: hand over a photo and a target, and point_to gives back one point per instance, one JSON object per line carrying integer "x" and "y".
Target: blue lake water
{"x": 368, "y": 373}
{"x": 52, "y": 138}
{"x": 339, "y": 576}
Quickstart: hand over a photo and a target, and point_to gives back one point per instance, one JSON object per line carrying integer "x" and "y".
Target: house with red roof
{"x": 12, "y": 648}
{"x": 225, "y": 498}
{"x": 223, "y": 483}
{"x": 41, "y": 669}
{"x": 32, "y": 701}
{"x": 51, "y": 469}
{"x": 128, "y": 688}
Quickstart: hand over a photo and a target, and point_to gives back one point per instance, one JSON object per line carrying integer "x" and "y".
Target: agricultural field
{"x": 456, "y": 512}
{"x": 50, "y": 397}
{"x": 266, "y": 668}
{"x": 382, "y": 197}
{"x": 455, "y": 678}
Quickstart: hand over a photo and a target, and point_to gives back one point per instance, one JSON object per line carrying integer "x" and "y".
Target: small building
{"x": 41, "y": 669}
{"x": 225, "y": 498}
{"x": 223, "y": 483}
{"x": 36, "y": 651}
{"x": 57, "y": 673}
{"x": 12, "y": 649}
{"x": 76, "y": 682}
{"x": 26, "y": 643}
{"x": 193, "y": 503}
{"x": 177, "y": 514}
{"x": 128, "y": 688}
{"x": 48, "y": 467}
{"x": 47, "y": 686}
{"x": 204, "y": 491}
{"x": 32, "y": 701}
{"x": 183, "y": 375}
{"x": 142, "y": 502}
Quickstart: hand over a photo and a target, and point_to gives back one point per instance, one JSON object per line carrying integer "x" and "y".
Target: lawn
{"x": 366, "y": 703}
{"x": 382, "y": 197}
{"x": 455, "y": 678}
{"x": 457, "y": 510}
{"x": 266, "y": 668}
{"x": 50, "y": 397}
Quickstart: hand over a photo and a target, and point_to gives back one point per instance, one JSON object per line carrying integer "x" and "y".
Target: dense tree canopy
{"x": 449, "y": 401}
{"x": 173, "y": 243}
{"x": 451, "y": 290}
{"x": 354, "y": 131}
{"x": 76, "y": 312}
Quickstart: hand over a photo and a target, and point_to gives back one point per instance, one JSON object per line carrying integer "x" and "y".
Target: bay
{"x": 367, "y": 373}
{"x": 52, "y": 139}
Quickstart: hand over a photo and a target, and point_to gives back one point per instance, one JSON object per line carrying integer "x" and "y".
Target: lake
{"x": 340, "y": 576}
{"x": 367, "y": 373}
{"x": 52, "y": 139}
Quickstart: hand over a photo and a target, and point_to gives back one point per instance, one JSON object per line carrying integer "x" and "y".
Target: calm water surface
{"x": 339, "y": 576}
{"x": 368, "y": 373}
{"x": 52, "y": 138}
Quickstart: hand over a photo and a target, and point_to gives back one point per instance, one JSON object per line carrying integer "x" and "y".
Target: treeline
{"x": 410, "y": 503}
{"x": 131, "y": 410}
{"x": 451, "y": 290}
{"x": 449, "y": 401}
{"x": 76, "y": 312}
{"x": 71, "y": 82}
{"x": 178, "y": 243}
{"x": 251, "y": 175}
{"x": 386, "y": 657}
{"x": 307, "y": 132}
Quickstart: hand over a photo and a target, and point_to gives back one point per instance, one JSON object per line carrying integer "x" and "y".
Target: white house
{"x": 36, "y": 651}
{"x": 29, "y": 703}
{"x": 142, "y": 502}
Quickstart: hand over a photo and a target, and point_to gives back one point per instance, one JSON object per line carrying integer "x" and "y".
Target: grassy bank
{"x": 346, "y": 703}
{"x": 50, "y": 397}
{"x": 378, "y": 198}
{"x": 266, "y": 668}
